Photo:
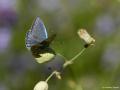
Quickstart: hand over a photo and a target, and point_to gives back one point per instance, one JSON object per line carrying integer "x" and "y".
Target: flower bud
{"x": 86, "y": 37}
{"x": 42, "y": 85}
{"x": 58, "y": 75}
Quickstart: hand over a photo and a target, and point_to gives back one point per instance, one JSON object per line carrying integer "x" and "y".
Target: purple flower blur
{"x": 5, "y": 36}
{"x": 8, "y": 15}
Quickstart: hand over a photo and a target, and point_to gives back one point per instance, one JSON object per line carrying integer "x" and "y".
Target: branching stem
{"x": 66, "y": 64}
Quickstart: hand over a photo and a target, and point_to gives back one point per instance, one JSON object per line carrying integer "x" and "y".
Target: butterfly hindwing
{"x": 36, "y": 34}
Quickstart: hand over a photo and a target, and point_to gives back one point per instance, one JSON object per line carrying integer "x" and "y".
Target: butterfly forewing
{"x": 36, "y": 34}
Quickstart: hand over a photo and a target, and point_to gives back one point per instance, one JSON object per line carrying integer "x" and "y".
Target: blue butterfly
{"x": 38, "y": 42}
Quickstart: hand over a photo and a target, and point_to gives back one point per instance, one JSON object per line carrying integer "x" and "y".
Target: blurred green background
{"x": 97, "y": 68}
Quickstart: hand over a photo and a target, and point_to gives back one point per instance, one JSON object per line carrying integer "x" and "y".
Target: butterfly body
{"x": 38, "y": 42}
{"x": 41, "y": 52}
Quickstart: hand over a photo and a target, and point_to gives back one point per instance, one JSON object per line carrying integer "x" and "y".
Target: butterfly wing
{"x": 36, "y": 34}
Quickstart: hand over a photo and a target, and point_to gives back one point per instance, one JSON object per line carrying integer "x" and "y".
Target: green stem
{"x": 74, "y": 58}
{"x": 49, "y": 77}
{"x": 66, "y": 64}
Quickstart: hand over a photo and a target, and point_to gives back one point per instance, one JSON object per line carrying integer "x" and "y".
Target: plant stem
{"x": 74, "y": 58}
{"x": 66, "y": 64}
{"x": 49, "y": 77}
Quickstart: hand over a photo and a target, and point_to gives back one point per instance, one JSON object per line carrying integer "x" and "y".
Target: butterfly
{"x": 38, "y": 42}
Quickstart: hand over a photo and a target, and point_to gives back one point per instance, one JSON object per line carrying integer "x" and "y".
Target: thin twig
{"x": 50, "y": 76}
{"x": 73, "y": 59}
